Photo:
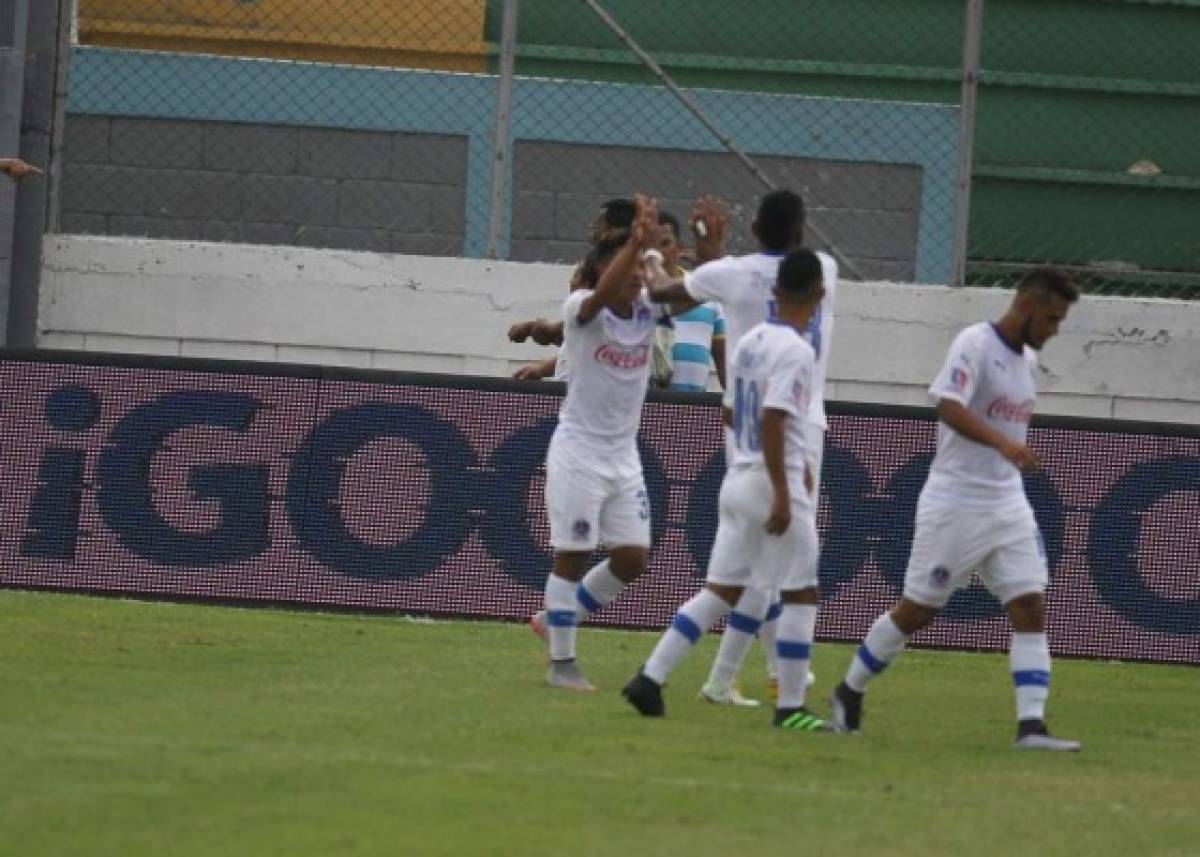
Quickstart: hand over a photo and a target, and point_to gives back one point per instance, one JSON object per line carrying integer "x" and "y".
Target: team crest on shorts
{"x": 940, "y": 575}
{"x": 582, "y": 528}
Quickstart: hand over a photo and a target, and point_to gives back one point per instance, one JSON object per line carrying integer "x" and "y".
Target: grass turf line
{"x": 140, "y": 728}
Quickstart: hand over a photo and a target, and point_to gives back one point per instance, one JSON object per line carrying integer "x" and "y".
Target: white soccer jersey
{"x": 772, "y": 367}
{"x": 609, "y": 361}
{"x": 742, "y": 286}
{"x": 562, "y": 365}
{"x": 998, "y": 385}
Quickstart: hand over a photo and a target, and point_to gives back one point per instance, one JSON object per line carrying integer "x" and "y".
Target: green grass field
{"x": 151, "y": 729}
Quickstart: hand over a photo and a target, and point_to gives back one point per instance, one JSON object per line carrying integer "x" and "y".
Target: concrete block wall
{"x": 869, "y": 211}
{"x": 265, "y": 184}
{"x": 1116, "y": 357}
{"x": 406, "y": 193}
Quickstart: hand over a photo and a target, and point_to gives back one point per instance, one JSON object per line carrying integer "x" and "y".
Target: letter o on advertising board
{"x": 314, "y": 483}
{"x": 1113, "y": 545}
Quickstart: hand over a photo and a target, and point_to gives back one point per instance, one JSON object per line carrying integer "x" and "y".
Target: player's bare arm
{"x": 675, "y": 294}
{"x": 773, "y": 458}
{"x": 665, "y": 289}
{"x": 614, "y": 281}
{"x": 718, "y": 358}
{"x": 540, "y": 330}
{"x": 970, "y": 426}
{"x": 538, "y": 371}
{"x": 16, "y": 169}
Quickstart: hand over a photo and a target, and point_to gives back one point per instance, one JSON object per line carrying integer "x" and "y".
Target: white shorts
{"x": 814, "y": 439}
{"x": 588, "y": 507}
{"x": 744, "y": 553}
{"x": 952, "y": 540}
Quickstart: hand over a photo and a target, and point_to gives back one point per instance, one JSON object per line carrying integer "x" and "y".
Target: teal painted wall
{"x": 109, "y": 82}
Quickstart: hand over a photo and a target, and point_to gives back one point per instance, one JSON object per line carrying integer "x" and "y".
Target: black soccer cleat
{"x": 645, "y": 695}
{"x": 846, "y": 708}
{"x": 799, "y": 720}
{"x": 1033, "y": 735}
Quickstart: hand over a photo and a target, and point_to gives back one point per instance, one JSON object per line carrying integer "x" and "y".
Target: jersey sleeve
{"x": 789, "y": 386}
{"x": 571, "y": 306}
{"x": 829, "y": 272}
{"x": 707, "y": 282}
{"x": 960, "y": 373}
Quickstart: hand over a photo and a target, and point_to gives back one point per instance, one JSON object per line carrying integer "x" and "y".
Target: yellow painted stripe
{"x": 445, "y": 34}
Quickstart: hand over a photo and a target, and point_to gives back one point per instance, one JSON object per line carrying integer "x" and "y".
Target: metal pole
{"x": 687, "y": 101}
{"x": 502, "y": 162}
{"x": 692, "y": 107}
{"x": 12, "y": 95}
{"x": 972, "y": 38}
{"x": 67, "y": 36}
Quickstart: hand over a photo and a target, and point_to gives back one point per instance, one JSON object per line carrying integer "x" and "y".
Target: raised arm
{"x": 709, "y": 220}
{"x": 623, "y": 265}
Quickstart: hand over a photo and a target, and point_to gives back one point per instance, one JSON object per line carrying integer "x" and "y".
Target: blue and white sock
{"x": 596, "y": 591}
{"x": 768, "y": 634}
{"x": 797, "y": 625}
{"x": 560, "y": 617}
{"x": 690, "y": 622}
{"x": 1029, "y": 658}
{"x": 742, "y": 626}
{"x": 883, "y": 642}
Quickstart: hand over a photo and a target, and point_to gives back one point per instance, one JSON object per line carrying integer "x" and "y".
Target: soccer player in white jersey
{"x": 595, "y": 492}
{"x": 767, "y": 533}
{"x": 614, "y": 216}
{"x": 973, "y": 513}
{"x": 741, "y": 285}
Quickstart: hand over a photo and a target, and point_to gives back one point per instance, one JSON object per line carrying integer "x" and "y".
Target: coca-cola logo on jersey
{"x": 623, "y": 358}
{"x": 1010, "y": 411}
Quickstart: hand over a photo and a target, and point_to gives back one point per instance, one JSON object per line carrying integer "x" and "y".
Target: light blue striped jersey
{"x": 691, "y": 353}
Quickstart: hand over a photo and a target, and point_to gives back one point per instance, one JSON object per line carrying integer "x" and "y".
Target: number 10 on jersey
{"x": 747, "y": 426}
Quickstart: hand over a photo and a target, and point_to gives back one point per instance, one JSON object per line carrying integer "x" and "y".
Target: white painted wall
{"x": 1131, "y": 359}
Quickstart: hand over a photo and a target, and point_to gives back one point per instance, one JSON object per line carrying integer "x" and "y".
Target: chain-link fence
{"x": 1088, "y": 145}
{"x": 496, "y": 127}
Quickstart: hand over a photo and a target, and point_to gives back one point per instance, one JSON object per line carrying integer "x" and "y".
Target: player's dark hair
{"x": 666, "y": 218}
{"x": 1050, "y": 281}
{"x": 799, "y": 275}
{"x": 618, "y": 213}
{"x": 780, "y": 220}
{"x": 589, "y": 272}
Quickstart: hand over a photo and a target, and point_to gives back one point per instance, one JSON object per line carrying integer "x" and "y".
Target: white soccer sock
{"x": 768, "y": 633}
{"x": 743, "y": 624}
{"x": 560, "y": 617}
{"x": 1029, "y": 658}
{"x": 597, "y": 590}
{"x": 883, "y": 642}
{"x": 689, "y": 624}
{"x": 797, "y": 625}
